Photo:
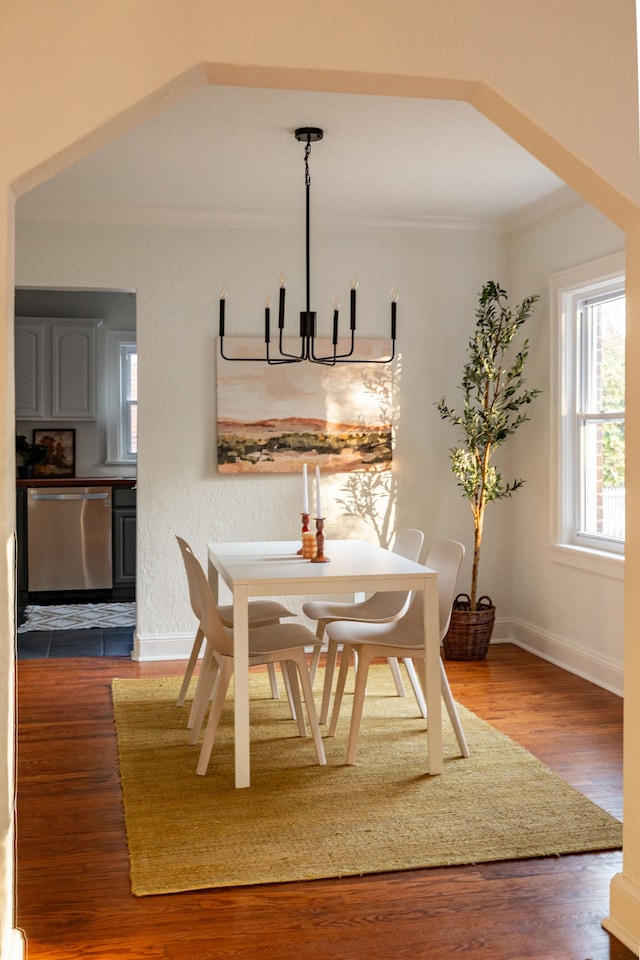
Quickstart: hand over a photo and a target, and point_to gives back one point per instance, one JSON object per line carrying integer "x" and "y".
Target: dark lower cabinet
{"x": 21, "y": 530}
{"x": 124, "y": 543}
{"x": 123, "y": 554}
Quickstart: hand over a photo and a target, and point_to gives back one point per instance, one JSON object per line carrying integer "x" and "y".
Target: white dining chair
{"x": 262, "y": 613}
{"x": 283, "y": 643}
{"x": 378, "y": 608}
{"x": 403, "y": 638}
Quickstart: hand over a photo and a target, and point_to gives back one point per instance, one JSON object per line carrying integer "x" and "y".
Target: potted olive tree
{"x": 495, "y": 399}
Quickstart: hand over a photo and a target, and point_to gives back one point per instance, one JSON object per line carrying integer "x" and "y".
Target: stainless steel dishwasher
{"x": 69, "y": 538}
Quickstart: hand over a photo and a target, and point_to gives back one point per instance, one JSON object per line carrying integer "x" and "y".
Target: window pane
{"x": 133, "y": 375}
{"x": 603, "y": 490}
{"x": 133, "y": 428}
{"x": 603, "y": 352}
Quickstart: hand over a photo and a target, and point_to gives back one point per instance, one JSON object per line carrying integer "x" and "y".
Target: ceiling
{"x": 230, "y": 154}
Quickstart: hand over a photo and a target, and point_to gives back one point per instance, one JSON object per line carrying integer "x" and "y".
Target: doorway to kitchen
{"x": 72, "y": 346}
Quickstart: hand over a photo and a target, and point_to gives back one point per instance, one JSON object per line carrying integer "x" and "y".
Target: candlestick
{"x": 305, "y": 490}
{"x": 318, "y": 500}
{"x": 309, "y": 546}
{"x": 267, "y": 317}
{"x": 320, "y": 557}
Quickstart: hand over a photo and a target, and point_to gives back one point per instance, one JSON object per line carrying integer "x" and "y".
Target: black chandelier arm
{"x": 347, "y": 358}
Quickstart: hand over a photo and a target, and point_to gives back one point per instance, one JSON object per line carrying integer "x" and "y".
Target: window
{"x": 590, "y": 303}
{"x": 122, "y": 397}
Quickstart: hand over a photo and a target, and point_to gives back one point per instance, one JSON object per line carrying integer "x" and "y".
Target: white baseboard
{"x": 157, "y": 646}
{"x": 595, "y": 667}
{"x": 598, "y": 669}
{"x": 16, "y": 948}
{"x": 623, "y": 921}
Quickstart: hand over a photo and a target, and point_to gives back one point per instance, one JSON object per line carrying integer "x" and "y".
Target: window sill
{"x": 592, "y": 561}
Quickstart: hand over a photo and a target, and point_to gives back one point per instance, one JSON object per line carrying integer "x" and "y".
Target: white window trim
{"x": 596, "y": 273}
{"x": 116, "y": 342}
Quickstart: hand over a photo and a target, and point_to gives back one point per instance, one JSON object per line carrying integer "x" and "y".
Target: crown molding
{"x": 159, "y": 215}
{"x": 543, "y": 211}
{"x": 174, "y": 216}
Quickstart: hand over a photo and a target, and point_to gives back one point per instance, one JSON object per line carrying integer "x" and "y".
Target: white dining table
{"x": 274, "y": 568}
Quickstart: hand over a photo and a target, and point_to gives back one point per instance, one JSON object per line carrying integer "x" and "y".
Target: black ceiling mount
{"x": 311, "y": 134}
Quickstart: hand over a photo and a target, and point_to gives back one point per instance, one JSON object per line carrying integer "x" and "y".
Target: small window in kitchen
{"x": 122, "y": 397}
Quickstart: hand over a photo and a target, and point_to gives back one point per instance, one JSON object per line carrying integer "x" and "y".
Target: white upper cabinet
{"x": 55, "y": 369}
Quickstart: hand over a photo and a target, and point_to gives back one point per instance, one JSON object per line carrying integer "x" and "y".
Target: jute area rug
{"x": 300, "y": 821}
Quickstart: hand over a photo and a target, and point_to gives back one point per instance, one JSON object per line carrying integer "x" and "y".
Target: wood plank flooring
{"x": 73, "y": 895}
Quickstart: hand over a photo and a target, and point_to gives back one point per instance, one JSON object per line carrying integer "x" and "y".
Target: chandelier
{"x": 309, "y": 135}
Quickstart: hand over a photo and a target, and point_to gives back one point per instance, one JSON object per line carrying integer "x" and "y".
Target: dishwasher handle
{"x": 69, "y": 496}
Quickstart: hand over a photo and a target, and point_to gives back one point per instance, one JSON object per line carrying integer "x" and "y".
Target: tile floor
{"x": 107, "y": 642}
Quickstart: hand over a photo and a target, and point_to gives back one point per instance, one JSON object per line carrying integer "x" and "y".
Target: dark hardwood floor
{"x": 73, "y": 896}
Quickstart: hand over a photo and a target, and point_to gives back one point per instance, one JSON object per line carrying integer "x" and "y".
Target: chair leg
{"x": 337, "y": 697}
{"x": 219, "y": 692}
{"x": 358, "y": 705}
{"x": 453, "y": 711}
{"x": 206, "y": 683}
{"x": 313, "y": 668}
{"x": 311, "y": 711}
{"x": 289, "y": 668}
{"x": 287, "y": 687}
{"x": 395, "y": 672}
{"x": 329, "y": 668}
{"x": 416, "y": 686}
{"x": 191, "y": 665}
{"x": 273, "y": 680}
{"x": 316, "y": 653}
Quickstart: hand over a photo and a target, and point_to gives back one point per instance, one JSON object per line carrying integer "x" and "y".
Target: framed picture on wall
{"x": 61, "y": 458}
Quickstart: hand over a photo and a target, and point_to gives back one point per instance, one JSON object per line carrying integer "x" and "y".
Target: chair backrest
{"x": 203, "y": 603}
{"x": 194, "y": 598}
{"x": 393, "y": 605}
{"x": 446, "y": 557}
{"x": 408, "y": 543}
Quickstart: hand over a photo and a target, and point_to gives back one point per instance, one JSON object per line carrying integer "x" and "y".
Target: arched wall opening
{"x": 570, "y": 168}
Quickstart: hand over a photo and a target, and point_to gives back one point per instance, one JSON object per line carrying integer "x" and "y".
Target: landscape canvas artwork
{"x": 273, "y": 418}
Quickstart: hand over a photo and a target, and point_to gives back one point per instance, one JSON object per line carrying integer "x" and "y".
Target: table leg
{"x": 241, "y": 685}
{"x": 432, "y": 669}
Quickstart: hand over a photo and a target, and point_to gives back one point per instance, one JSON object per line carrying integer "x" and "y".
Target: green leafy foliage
{"x": 495, "y": 401}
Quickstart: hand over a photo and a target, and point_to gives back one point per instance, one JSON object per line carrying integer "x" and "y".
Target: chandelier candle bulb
{"x": 283, "y": 284}
{"x": 223, "y": 299}
{"x": 394, "y": 305}
{"x": 354, "y": 287}
{"x": 318, "y": 500}
{"x": 267, "y": 318}
{"x": 305, "y": 490}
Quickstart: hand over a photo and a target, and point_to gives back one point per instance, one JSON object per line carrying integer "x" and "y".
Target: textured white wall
{"x": 177, "y": 274}
{"x": 578, "y": 615}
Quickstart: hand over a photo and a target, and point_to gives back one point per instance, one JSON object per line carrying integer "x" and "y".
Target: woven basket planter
{"x": 469, "y": 632}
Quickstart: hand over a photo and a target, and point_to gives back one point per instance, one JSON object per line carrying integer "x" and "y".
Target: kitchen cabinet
{"x": 55, "y": 362}
{"x": 124, "y": 543}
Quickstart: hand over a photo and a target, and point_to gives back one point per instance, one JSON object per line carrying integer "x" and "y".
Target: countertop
{"x": 78, "y": 482}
